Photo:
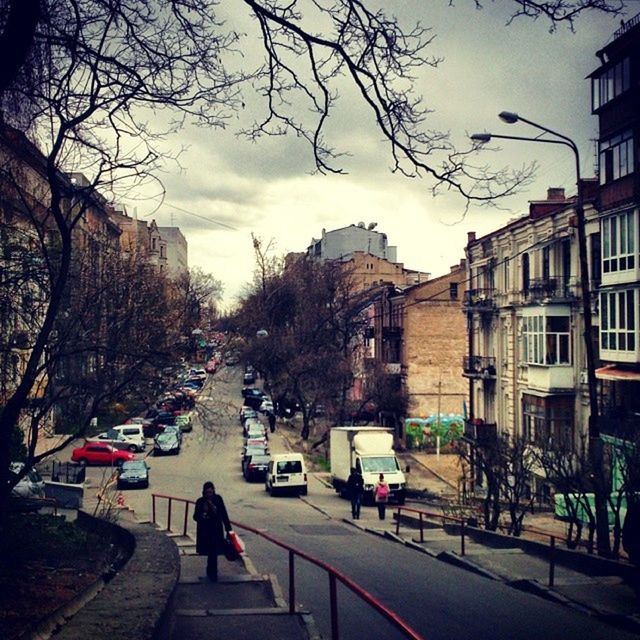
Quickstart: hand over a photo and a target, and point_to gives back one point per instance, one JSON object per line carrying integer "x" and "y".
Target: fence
{"x": 335, "y": 576}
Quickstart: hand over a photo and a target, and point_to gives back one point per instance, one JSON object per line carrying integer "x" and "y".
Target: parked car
{"x": 286, "y": 472}
{"x": 254, "y": 429}
{"x": 247, "y": 412}
{"x": 166, "y": 443}
{"x": 133, "y": 474}
{"x": 133, "y": 433}
{"x": 253, "y": 397}
{"x": 211, "y": 366}
{"x": 100, "y": 453}
{"x": 149, "y": 428}
{"x": 251, "y": 450}
{"x": 115, "y": 439}
{"x": 183, "y": 421}
{"x": 30, "y": 485}
{"x": 175, "y": 429}
{"x": 266, "y": 406}
{"x": 201, "y": 374}
{"x": 249, "y": 378}
{"x": 255, "y": 467}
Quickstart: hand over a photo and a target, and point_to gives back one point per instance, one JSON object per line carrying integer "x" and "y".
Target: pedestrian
{"x": 213, "y": 527}
{"x": 381, "y": 495}
{"x": 355, "y": 487}
{"x": 272, "y": 421}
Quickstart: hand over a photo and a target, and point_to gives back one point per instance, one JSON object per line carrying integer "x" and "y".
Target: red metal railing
{"x": 335, "y": 576}
{"x": 439, "y": 516}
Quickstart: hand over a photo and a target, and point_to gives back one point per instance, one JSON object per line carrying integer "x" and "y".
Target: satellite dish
{"x": 361, "y": 225}
{"x": 372, "y": 226}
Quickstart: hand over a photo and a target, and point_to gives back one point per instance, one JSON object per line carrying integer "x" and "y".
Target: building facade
{"x": 177, "y": 251}
{"x": 616, "y": 103}
{"x": 339, "y": 243}
{"x": 525, "y": 360}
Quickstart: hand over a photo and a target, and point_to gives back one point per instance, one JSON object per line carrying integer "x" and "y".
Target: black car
{"x": 249, "y": 378}
{"x": 133, "y": 474}
{"x": 256, "y": 450}
{"x": 255, "y": 467}
{"x": 253, "y": 397}
{"x": 166, "y": 443}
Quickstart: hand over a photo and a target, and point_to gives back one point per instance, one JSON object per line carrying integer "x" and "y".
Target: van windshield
{"x": 382, "y": 464}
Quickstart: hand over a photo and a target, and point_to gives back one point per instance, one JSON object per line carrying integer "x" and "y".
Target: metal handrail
{"x": 440, "y": 516}
{"x": 334, "y": 574}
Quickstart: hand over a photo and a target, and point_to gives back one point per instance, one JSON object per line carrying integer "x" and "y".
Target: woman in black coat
{"x": 213, "y": 525}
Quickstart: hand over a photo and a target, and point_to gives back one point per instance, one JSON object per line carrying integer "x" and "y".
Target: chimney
{"x": 471, "y": 237}
{"x": 555, "y": 193}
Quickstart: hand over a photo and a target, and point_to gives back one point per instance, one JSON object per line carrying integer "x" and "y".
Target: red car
{"x": 100, "y": 453}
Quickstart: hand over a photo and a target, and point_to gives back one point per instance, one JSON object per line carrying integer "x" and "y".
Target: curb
{"x": 450, "y": 557}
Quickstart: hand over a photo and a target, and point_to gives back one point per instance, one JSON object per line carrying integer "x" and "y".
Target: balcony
{"x": 480, "y": 432}
{"x": 479, "y": 300}
{"x": 551, "y": 289}
{"x": 619, "y": 424}
{"x": 479, "y": 367}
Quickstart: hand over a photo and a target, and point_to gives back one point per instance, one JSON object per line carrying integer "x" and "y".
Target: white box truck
{"x": 370, "y": 450}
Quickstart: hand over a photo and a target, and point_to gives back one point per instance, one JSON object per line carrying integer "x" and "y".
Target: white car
{"x": 266, "y": 406}
{"x": 286, "y": 472}
{"x": 31, "y": 486}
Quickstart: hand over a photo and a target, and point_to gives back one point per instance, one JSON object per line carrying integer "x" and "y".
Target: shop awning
{"x": 613, "y": 372}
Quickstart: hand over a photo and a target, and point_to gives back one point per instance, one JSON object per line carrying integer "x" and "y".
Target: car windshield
{"x": 133, "y": 465}
{"x": 382, "y": 464}
{"x": 166, "y": 437}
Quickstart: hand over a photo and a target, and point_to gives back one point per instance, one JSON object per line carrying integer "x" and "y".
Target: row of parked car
{"x": 165, "y": 422}
{"x": 281, "y": 472}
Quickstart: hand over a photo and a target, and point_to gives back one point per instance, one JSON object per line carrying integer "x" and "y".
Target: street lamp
{"x": 595, "y": 442}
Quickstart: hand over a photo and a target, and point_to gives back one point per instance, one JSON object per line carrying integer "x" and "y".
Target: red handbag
{"x": 236, "y": 542}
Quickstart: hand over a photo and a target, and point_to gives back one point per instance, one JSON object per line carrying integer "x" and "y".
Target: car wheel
{"x": 132, "y": 448}
{"x": 83, "y": 461}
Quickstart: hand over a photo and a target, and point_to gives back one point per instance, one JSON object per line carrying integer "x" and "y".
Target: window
{"x": 526, "y": 275}
{"x": 546, "y": 340}
{"x": 453, "y": 290}
{"x": 546, "y": 262}
{"x": 618, "y": 320}
{"x": 611, "y": 83}
{"x": 616, "y": 157}
{"x": 596, "y": 259}
{"x": 548, "y": 420}
{"x": 618, "y": 242}
{"x": 506, "y": 273}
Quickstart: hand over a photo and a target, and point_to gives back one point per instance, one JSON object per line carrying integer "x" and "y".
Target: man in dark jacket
{"x": 355, "y": 487}
{"x": 213, "y": 526}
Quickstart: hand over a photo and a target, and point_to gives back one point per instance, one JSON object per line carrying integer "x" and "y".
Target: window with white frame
{"x": 546, "y": 340}
{"x": 618, "y": 320}
{"x": 611, "y": 83}
{"x": 616, "y": 157}
{"x": 619, "y": 242}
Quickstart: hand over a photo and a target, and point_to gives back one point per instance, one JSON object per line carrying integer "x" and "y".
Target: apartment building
{"x": 176, "y": 250}
{"x": 616, "y": 103}
{"x": 525, "y": 361}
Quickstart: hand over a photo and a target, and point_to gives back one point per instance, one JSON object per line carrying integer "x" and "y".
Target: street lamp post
{"x": 595, "y": 441}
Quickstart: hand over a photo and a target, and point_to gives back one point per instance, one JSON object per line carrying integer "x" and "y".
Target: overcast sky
{"x": 229, "y": 187}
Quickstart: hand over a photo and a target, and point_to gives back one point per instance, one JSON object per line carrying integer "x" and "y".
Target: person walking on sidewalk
{"x": 213, "y": 525}
{"x": 355, "y": 487}
{"x": 381, "y": 495}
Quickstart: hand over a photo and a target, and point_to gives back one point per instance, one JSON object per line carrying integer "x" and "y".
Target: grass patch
{"x": 35, "y": 537}
{"x": 321, "y": 463}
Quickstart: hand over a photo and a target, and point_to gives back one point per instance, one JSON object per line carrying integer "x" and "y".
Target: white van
{"x": 286, "y": 472}
{"x": 134, "y": 434}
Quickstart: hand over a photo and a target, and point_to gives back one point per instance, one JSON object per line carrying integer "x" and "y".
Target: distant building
{"x": 176, "y": 244}
{"x": 341, "y": 243}
{"x": 366, "y": 254}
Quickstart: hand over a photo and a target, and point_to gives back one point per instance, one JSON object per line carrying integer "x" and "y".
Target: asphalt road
{"x": 437, "y": 600}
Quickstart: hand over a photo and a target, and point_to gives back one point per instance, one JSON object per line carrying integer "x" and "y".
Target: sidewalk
{"x": 241, "y": 604}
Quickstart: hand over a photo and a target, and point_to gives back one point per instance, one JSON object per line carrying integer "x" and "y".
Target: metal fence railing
{"x": 335, "y": 576}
